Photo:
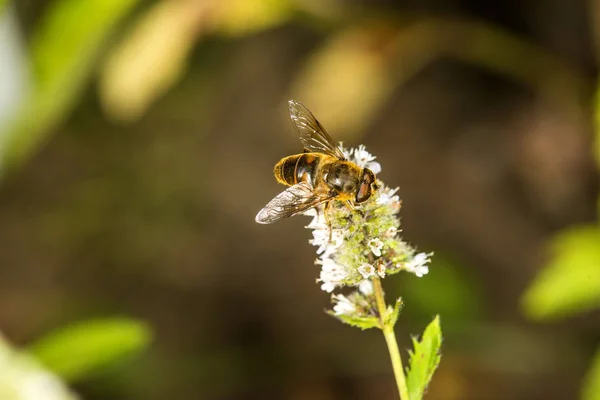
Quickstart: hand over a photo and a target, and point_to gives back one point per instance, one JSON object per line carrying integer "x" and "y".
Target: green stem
{"x": 390, "y": 340}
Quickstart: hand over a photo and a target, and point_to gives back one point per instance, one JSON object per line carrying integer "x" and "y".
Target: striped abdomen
{"x": 300, "y": 167}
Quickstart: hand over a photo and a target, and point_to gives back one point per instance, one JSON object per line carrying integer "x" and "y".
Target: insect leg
{"x": 327, "y": 220}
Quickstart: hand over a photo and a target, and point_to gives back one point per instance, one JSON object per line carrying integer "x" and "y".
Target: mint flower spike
{"x": 357, "y": 249}
{"x": 364, "y": 242}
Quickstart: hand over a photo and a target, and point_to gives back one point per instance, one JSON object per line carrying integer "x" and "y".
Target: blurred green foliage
{"x": 591, "y": 387}
{"x": 65, "y": 45}
{"x": 570, "y": 282}
{"x": 63, "y": 49}
{"x": 240, "y": 17}
{"x": 78, "y": 350}
{"x": 424, "y": 359}
{"x": 448, "y": 290}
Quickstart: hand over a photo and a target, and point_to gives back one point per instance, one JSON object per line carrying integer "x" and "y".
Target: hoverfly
{"x": 316, "y": 177}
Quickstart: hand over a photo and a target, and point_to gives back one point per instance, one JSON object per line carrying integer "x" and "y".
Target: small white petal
{"x": 375, "y": 245}
{"x": 418, "y": 265}
{"x": 311, "y": 212}
{"x": 366, "y": 270}
{"x": 332, "y": 274}
{"x": 422, "y": 270}
{"x": 374, "y": 166}
{"x": 387, "y": 196}
{"x": 328, "y": 287}
{"x": 366, "y": 287}
{"x": 343, "y": 305}
{"x": 346, "y": 152}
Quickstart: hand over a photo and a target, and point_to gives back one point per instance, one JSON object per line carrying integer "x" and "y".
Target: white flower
{"x": 365, "y": 159}
{"x": 366, "y": 287}
{"x": 366, "y": 270}
{"x": 343, "y": 305}
{"x": 375, "y": 245}
{"x": 326, "y": 241}
{"x": 328, "y": 287}
{"x": 343, "y": 253}
{"x": 318, "y": 220}
{"x": 346, "y": 152}
{"x": 332, "y": 274}
{"x": 388, "y": 196}
{"x": 418, "y": 265}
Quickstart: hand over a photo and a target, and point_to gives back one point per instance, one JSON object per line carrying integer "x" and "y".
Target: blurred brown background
{"x": 138, "y": 196}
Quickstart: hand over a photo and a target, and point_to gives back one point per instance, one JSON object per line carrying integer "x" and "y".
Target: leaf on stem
{"x": 357, "y": 321}
{"x": 393, "y": 314}
{"x": 424, "y": 360}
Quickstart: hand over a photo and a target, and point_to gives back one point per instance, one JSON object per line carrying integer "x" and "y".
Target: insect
{"x": 316, "y": 177}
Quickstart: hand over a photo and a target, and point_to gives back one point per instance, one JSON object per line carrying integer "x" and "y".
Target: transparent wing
{"x": 312, "y": 134}
{"x": 295, "y": 199}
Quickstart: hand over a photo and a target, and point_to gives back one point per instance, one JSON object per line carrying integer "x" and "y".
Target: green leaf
{"x": 424, "y": 360}
{"x": 570, "y": 282}
{"x": 162, "y": 37}
{"x": 357, "y": 322}
{"x": 591, "y": 383}
{"x": 393, "y": 314}
{"x": 63, "y": 50}
{"x": 83, "y": 348}
{"x": 239, "y": 17}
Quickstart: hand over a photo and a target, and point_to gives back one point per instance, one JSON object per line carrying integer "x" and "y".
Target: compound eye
{"x": 364, "y": 192}
{"x": 368, "y": 176}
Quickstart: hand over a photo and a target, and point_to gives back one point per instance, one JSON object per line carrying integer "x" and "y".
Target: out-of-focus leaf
{"x": 348, "y": 79}
{"x": 83, "y": 348}
{"x": 2, "y": 4}
{"x": 591, "y": 384}
{"x": 23, "y": 378}
{"x": 152, "y": 57}
{"x": 424, "y": 359}
{"x": 14, "y": 76}
{"x": 456, "y": 294}
{"x": 63, "y": 49}
{"x": 570, "y": 282}
{"x": 238, "y": 17}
